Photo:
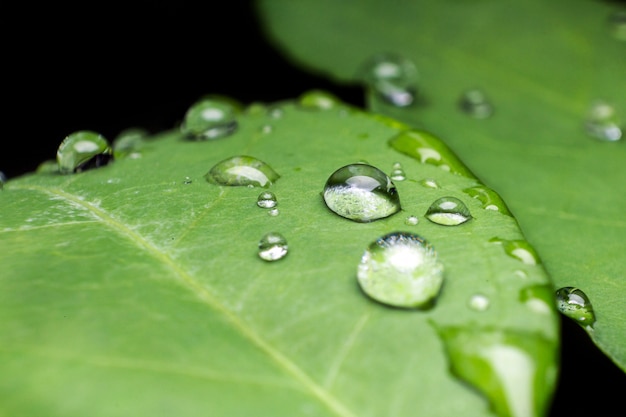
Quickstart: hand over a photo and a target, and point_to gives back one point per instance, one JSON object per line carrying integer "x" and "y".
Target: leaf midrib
{"x": 205, "y": 295}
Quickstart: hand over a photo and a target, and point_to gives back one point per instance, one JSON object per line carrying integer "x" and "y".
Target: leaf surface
{"x": 542, "y": 65}
{"x": 136, "y": 289}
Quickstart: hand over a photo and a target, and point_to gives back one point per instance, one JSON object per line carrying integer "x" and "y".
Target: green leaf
{"x": 135, "y": 288}
{"x": 542, "y": 64}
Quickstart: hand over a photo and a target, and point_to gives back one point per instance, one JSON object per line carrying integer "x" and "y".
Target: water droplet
{"x": 273, "y": 212}
{"x": 429, "y": 183}
{"x": 391, "y": 76}
{"x": 128, "y": 142}
{"x": 448, "y": 211}
{"x": 617, "y": 24}
{"x": 478, "y": 302}
{"x": 397, "y": 172}
{"x": 265, "y": 129}
{"x": 362, "y": 193}
{"x": 538, "y": 298}
{"x": 575, "y": 304}
{"x": 318, "y": 100}
{"x": 276, "y": 113}
{"x": 475, "y": 103}
{"x": 411, "y": 220}
{"x": 401, "y": 269}
{"x": 519, "y": 249}
{"x": 266, "y": 199}
{"x": 83, "y": 150}
{"x": 602, "y": 122}
{"x": 48, "y": 167}
{"x": 272, "y": 247}
{"x": 209, "y": 118}
{"x": 512, "y": 369}
{"x": 187, "y": 180}
{"x": 242, "y": 171}
{"x": 490, "y": 199}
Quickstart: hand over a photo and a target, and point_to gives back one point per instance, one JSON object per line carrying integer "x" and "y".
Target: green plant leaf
{"x": 542, "y": 64}
{"x": 135, "y": 288}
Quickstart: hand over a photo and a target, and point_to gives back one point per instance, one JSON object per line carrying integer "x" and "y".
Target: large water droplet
{"x": 266, "y": 199}
{"x": 514, "y": 370}
{"x": 475, "y": 103}
{"x": 490, "y": 199}
{"x": 448, "y": 211}
{"x": 272, "y": 247}
{"x": 242, "y": 170}
{"x": 362, "y": 193}
{"x": 575, "y": 304}
{"x": 519, "y": 249}
{"x": 318, "y": 100}
{"x": 391, "y": 76}
{"x": 209, "y": 118}
{"x": 401, "y": 269}
{"x": 83, "y": 150}
{"x": 602, "y": 122}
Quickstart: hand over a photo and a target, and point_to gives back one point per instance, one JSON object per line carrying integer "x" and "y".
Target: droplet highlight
{"x": 602, "y": 122}
{"x": 392, "y": 77}
{"x": 448, "y": 211}
{"x": 242, "y": 170}
{"x": 475, "y": 103}
{"x": 209, "y": 119}
{"x": 362, "y": 193}
{"x": 266, "y": 199}
{"x": 478, "y": 302}
{"x": 575, "y": 304}
{"x": 401, "y": 269}
{"x": 83, "y": 150}
{"x": 272, "y": 247}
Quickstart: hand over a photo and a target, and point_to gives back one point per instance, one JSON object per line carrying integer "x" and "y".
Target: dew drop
{"x": 362, "y": 193}
{"x": 489, "y": 198}
{"x": 273, "y": 212}
{"x": 318, "y": 100}
{"x": 401, "y": 269}
{"x": 393, "y": 77}
{"x": 575, "y": 304}
{"x": 266, "y": 199}
{"x": 475, "y": 103}
{"x": 602, "y": 122}
{"x": 448, "y": 211}
{"x": 617, "y": 24}
{"x": 478, "y": 302}
{"x": 242, "y": 171}
{"x": 411, "y": 220}
{"x": 128, "y": 142}
{"x": 266, "y": 129}
{"x": 519, "y": 249}
{"x": 272, "y": 247}
{"x": 397, "y": 172}
{"x": 538, "y": 298}
{"x": 83, "y": 150}
{"x": 208, "y": 119}
{"x": 276, "y": 113}
{"x": 429, "y": 183}
{"x": 187, "y": 180}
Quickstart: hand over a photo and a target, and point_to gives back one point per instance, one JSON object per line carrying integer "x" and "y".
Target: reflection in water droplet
{"x": 362, "y": 193}
{"x": 516, "y": 371}
{"x": 429, "y": 183}
{"x": 448, "y": 211}
{"x": 273, "y": 212}
{"x": 272, "y": 247}
{"x": 266, "y": 199}
{"x": 519, "y": 249}
{"x": 475, "y": 103}
{"x": 83, "y": 150}
{"x": 602, "y": 122}
{"x": 575, "y": 304}
{"x": 209, "y": 119}
{"x": 490, "y": 199}
{"x": 318, "y": 100}
{"x": 242, "y": 170}
{"x": 401, "y": 269}
{"x": 478, "y": 302}
{"x": 391, "y": 76}
{"x": 128, "y": 142}
{"x": 538, "y": 298}
{"x": 411, "y": 220}
{"x": 617, "y": 24}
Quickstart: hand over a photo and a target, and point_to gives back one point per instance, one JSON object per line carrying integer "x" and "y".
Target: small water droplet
{"x": 187, "y": 180}
{"x": 617, "y": 24}
{"x": 429, "y": 183}
{"x": 575, "y": 304}
{"x": 318, "y": 100}
{"x": 129, "y": 141}
{"x": 411, "y": 220}
{"x": 272, "y": 247}
{"x": 209, "y": 118}
{"x": 393, "y": 77}
{"x": 273, "y": 212}
{"x": 448, "y": 211}
{"x": 489, "y": 198}
{"x": 474, "y": 102}
{"x": 361, "y": 192}
{"x": 401, "y": 269}
{"x": 519, "y": 249}
{"x": 538, "y": 298}
{"x": 266, "y": 199}
{"x": 478, "y": 302}
{"x": 397, "y": 172}
{"x": 83, "y": 150}
{"x": 602, "y": 122}
{"x": 265, "y": 129}
{"x": 242, "y": 171}
{"x": 276, "y": 113}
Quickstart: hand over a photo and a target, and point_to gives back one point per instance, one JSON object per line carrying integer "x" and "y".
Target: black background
{"x": 106, "y": 68}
